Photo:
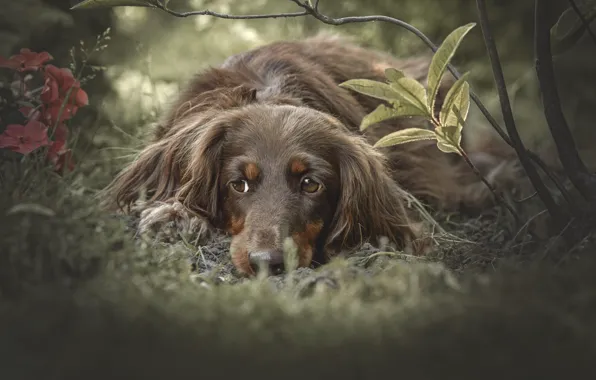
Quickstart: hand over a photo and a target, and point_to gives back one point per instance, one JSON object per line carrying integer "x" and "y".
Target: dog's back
{"x": 302, "y": 73}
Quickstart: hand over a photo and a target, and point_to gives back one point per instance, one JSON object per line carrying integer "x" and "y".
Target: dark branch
{"x": 578, "y": 173}
{"x": 555, "y": 211}
{"x": 585, "y": 22}
{"x": 570, "y": 201}
{"x": 207, "y": 12}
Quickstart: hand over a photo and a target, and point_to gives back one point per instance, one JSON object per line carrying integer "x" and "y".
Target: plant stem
{"x": 22, "y": 85}
{"x": 575, "y": 168}
{"x": 559, "y": 216}
{"x": 488, "y": 184}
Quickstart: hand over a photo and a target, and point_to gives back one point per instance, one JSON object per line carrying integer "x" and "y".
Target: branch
{"x": 543, "y": 192}
{"x": 207, "y": 12}
{"x": 585, "y": 22}
{"x": 314, "y": 12}
{"x": 496, "y": 194}
{"x": 578, "y": 173}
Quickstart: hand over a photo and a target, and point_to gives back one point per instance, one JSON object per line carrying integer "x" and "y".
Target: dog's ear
{"x": 371, "y": 205}
{"x": 183, "y": 166}
{"x": 152, "y": 176}
{"x": 199, "y": 189}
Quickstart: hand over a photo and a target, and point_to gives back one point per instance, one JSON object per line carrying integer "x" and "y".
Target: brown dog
{"x": 266, "y": 148}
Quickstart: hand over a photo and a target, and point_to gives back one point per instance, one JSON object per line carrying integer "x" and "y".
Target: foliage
{"x": 35, "y": 119}
{"x": 407, "y": 98}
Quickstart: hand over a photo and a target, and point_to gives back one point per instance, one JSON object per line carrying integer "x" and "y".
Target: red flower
{"x": 26, "y": 60}
{"x": 26, "y": 138}
{"x": 57, "y": 84}
{"x": 52, "y": 113}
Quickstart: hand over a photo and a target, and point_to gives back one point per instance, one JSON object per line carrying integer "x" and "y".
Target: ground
{"x": 81, "y": 297}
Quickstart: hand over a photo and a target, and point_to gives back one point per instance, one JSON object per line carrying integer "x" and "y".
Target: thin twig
{"x": 575, "y": 168}
{"x": 228, "y": 16}
{"x": 555, "y": 211}
{"x": 570, "y": 201}
{"x": 527, "y": 223}
{"x": 585, "y": 22}
{"x": 489, "y": 185}
{"x": 526, "y": 198}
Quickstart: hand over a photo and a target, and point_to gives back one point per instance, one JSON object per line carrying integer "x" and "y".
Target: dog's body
{"x": 267, "y": 148}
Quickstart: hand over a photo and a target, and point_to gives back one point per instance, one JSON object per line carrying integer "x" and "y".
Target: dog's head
{"x": 274, "y": 176}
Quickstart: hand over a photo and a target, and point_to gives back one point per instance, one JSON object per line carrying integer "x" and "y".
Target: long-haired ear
{"x": 182, "y": 167}
{"x": 199, "y": 189}
{"x": 371, "y": 204}
{"x": 152, "y": 176}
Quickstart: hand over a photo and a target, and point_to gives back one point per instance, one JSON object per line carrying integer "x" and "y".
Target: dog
{"x": 266, "y": 147}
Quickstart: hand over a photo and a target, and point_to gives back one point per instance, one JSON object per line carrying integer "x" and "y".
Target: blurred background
{"x": 151, "y": 54}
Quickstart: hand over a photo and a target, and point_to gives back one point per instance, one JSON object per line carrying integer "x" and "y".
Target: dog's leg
{"x": 168, "y": 221}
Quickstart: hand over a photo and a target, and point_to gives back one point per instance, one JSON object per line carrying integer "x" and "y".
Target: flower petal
{"x": 50, "y": 92}
{"x": 9, "y": 63}
{"x": 36, "y": 131}
{"x": 15, "y": 130}
{"x": 7, "y": 141}
{"x": 81, "y": 98}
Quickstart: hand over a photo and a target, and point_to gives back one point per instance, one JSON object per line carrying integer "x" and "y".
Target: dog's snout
{"x": 271, "y": 259}
{"x": 265, "y": 237}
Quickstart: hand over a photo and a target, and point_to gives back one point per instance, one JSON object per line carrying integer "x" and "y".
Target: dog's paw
{"x": 171, "y": 221}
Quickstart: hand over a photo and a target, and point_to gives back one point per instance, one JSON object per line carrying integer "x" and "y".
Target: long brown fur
{"x": 295, "y": 85}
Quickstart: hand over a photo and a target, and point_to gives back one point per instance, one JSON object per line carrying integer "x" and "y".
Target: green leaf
{"x": 570, "y": 28}
{"x": 446, "y": 147}
{"x": 441, "y": 59}
{"x": 394, "y": 74}
{"x": 410, "y": 89}
{"x": 94, "y": 4}
{"x": 449, "y": 139}
{"x": 459, "y": 96}
{"x": 405, "y": 136}
{"x": 372, "y": 88}
{"x": 382, "y": 112}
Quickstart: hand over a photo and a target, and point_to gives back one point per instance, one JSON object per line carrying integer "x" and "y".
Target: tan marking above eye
{"x": 240, "y": 186}
{"x": 297, "y": 167}
{"x": 308, "y": 185}
{"x": 251, "y": 171}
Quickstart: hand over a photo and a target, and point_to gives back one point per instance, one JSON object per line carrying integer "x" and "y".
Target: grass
{"x": 80, "y": 298}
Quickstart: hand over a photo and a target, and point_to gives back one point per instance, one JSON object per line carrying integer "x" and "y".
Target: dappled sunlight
{"x": 141, "y": 93}
{"x": 129, "y": 19}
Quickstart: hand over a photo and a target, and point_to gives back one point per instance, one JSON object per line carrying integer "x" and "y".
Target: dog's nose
{"x": 272, "y": 259}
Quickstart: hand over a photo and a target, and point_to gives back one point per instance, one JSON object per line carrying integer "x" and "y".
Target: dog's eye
{"x": 308, "y": 185}
{"x": 240, "y": 186}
